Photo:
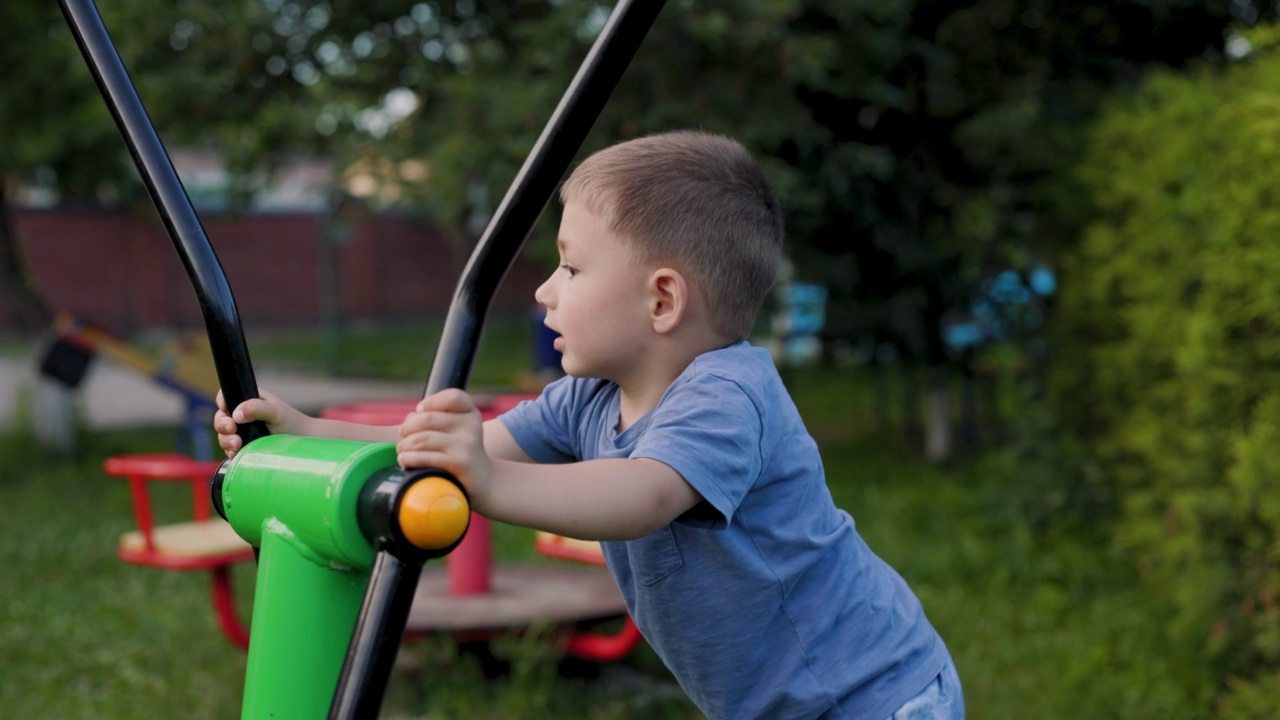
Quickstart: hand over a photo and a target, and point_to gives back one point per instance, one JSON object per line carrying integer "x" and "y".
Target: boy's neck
{"x": 642, "y": 392}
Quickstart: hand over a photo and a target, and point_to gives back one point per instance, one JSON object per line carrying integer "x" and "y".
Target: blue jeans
{"x": 942, "y": 699}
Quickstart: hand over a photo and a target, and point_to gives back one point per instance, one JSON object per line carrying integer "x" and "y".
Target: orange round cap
{"x": 434, "y": 513}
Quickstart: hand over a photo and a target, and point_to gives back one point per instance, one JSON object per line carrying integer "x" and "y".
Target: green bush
{"x": 1170, "y": 365}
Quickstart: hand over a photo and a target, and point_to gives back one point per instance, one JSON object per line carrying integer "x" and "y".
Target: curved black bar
{"x": 386, "y": 605}
{"x": 533, "y": 186}
{"x": 367, "y": 667}
{"x": 222, "y": 321}
{"x": 384, "y": 613}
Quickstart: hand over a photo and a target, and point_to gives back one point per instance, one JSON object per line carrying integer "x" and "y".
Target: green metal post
{"x": 303, "y": 614}
{"x": 295, "y": 498}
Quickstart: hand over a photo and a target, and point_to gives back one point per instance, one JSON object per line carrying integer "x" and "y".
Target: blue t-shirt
{"x": 763, "y": 601}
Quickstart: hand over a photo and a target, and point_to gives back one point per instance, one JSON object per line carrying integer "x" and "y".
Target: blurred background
{"x": 1030, "y": 311}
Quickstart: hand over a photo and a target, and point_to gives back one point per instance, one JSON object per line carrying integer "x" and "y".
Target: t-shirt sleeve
{"x": 545, "y": 428}
{"x": 709, "y": 430}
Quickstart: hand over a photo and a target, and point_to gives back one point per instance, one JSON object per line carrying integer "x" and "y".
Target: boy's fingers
{"x": 413, "y": 422}
{"x": 431, "y": 459}
{"x": 230, "y": 444}
{"x": 249, "y": 410}
{"x": 223, "y": 423}
{"x": 437, "y": 443}
{"x": 447, "y": 400}
{"x": 415, "y": 459}
{"x": 425, "y": 440}
{"x": 432, "y": 420}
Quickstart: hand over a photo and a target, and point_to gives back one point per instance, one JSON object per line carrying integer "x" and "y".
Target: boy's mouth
{"x": 558, "y": 343}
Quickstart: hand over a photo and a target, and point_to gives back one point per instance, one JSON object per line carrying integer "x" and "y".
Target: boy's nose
{"x": 543, "y": 294}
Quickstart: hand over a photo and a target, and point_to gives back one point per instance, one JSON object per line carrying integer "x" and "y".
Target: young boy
{"x": 674, "y": 442}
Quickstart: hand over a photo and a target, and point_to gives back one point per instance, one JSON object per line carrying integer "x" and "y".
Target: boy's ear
{"x": 668, "y": 299}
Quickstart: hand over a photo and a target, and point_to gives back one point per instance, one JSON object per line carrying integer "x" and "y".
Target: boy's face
{"x": 596, "y": 300}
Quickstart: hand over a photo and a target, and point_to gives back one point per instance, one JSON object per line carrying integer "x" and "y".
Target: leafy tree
{"x": 1171, "y": 352}
{"x": 244, "y": 78}
{"x": 919, "y": 146}
{"x": 56, "y": 129}
{"x": 63, "y": 138}
{"x": 949, "y": 134}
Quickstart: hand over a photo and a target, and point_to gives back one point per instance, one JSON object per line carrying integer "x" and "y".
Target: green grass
{"x": 1042, "y": 624}
{"x": 403, "y": 352}
{"x": 82, "y": 634}
{"x": 1051, "y": 626}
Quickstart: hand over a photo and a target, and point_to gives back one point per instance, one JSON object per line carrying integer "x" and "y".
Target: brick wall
{"x": 120, "y": 269}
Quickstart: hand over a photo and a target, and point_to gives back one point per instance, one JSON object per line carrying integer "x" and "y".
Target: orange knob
{"x": 434, "y": 513}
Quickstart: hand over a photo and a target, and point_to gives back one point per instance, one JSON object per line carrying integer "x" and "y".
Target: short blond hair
{"x": 698, "y": 202}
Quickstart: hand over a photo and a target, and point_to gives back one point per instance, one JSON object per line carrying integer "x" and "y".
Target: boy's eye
{"x": 569, "y": 269}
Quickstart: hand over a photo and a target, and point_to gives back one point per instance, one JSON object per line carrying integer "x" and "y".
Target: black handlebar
{"x": 394, "y": 578}
{"x": 533, "y": 187}
{"x": 385, "y": 609}
{"x": 218, "y": 306}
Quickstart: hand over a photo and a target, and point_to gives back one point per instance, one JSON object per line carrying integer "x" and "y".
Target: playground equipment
{"x": 342, "y": 532}
{"x": 476, "y": 597}
{"x": 202, "y": 543}
{"x": 182, "y": 365}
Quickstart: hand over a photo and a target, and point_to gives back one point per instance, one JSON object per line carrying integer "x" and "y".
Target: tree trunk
{"x": 938, "y": 431}
{"x": 912, "y": 423}
{"x": 880, "y": 386}
{"x": 970, "y": 419}
{"x": 937, "y": 417}
{"x": 28, "y": 308}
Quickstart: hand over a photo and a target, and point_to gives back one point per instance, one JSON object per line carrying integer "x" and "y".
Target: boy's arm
{"x": 610, "y": 499}
{"x": 281, "y": 418}
{"x": 594, "y": 500}
{"x": 499, "y": 444}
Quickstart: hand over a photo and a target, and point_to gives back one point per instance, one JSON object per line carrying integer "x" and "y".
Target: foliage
{"x": 51, "y": 110}
{"x": 1170, "y": 342}
{"x": 917, "y": 145}
{"x": 54, "y": 127}
{"x": 206, "y": 75}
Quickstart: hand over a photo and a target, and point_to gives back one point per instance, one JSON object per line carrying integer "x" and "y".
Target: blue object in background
{"x": 1042, "y": 281}
{"x": 806, "y": 308}
{"x": 962, "y": 335}
{"x": 800, "y": 320}
{"x": 545, "y": 355}
{"x": 1006, "y": 304}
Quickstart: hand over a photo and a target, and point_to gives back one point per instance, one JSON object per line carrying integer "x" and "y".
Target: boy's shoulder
{"x": 738, "y": 384}
{"x": 573, "y": 390}
{"x": 739, "y": 360}
{"x": 741, "y": 369}
{"x": 742, "y": 364}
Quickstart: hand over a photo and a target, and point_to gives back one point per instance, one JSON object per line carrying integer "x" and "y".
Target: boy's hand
{"x": 445, "y": 432}
{"x": 279, "y": 416}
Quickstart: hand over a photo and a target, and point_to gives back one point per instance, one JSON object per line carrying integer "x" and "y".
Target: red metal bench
{"x": 203, "y": 543}
{"x": 597, "y": 647}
